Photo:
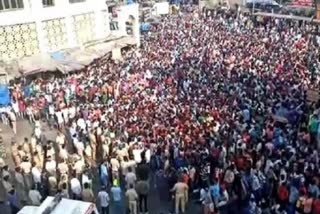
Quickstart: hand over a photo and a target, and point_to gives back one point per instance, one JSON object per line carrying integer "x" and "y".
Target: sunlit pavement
{"x": 25, "y": 130}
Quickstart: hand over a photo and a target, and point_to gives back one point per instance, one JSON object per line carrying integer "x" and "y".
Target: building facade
{"x": 30, "y": 27}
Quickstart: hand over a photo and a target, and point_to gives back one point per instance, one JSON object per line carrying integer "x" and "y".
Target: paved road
{"x": 25, "y": 130}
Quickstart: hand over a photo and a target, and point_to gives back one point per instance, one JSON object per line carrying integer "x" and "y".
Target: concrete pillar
{"x": 122, "y": 18}
{"x": 100, "y": 27}
{"x": 35, "y": 9}
{"x": 71, "y": 37}
{"x": 136, "y": 27}
{"x": 27, "y": 4}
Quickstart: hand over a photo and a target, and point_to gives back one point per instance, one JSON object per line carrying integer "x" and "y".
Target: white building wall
{"x": 38, "y": 29}
{"x": 124, "y": 13}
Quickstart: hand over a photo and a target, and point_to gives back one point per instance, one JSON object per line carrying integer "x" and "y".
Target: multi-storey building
{"x": 31, "y": 27}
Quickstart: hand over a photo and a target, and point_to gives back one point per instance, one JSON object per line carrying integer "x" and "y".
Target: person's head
{"x": 86, "y": 185}
{"x": 33, "y": 187}
{"x": 129, "y": 169}
{"x": 6, "y": 178}
{"x": 131, "y": 186}
{"x": 25, "y": 159}
{"x": 12, "y": 192}
{"x": 64, "y": 177}
{"x": 17, "y": 169}
{"x": 64, "y": 186}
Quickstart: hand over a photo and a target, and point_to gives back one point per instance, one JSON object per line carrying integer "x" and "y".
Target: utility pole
{"x": 253, "y": 5}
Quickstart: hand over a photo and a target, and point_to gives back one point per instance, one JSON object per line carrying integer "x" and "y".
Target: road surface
{"x": 25, "y": 130}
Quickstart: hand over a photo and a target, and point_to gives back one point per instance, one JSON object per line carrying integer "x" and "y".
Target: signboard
{"x": 116, "y": 54}
{"x": 161, "y": 8}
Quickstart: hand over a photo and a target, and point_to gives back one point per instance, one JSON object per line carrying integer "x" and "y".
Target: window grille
{"x": 11, "y": 5}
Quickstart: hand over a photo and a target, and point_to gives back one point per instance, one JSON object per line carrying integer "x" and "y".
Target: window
{"x": 129, "y": 25}
{"x": 76, "y": 1}
{"x": 48, "y": 3}
{"x": 11, "y": 4}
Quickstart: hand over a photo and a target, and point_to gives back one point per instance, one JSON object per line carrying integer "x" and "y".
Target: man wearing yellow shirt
{"x": 181, "y": 195}
{"x": 87, "y": 194}
{"x": 132, "y": 196}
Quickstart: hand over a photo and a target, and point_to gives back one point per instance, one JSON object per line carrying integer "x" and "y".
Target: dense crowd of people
{"x": 214, "y": 104}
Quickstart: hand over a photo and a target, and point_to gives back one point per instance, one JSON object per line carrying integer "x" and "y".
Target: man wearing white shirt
{"x": 60, "y": 139}
{"x": 26, "y": 165}
{"x": 137, "y": 155}
{"x": 79, "y": 166}
{"x": 148, "y": 155}
{"x": 37, "y": 131}
{"x": 130, "y": 178}
{"x": 75, "y": 188}
{"x": 63, "y": 167}
{"x": 72, "y": 112}
{"x": 51, "y": 110}
{"x": 63, "y": 153}
{"x": 59, "y": 119}
{"x": 115, "y": 165}
{"x": 51, "y": 166}
{"x": 103, "y": 198}
{"x": 81, "y": 123}
{"x": 35, "y": 197}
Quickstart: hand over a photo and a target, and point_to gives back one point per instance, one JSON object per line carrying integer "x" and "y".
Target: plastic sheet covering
{"x": 144, "y": 26}
{"x": 36, "y": 64}
{"x": 65, "y": 62}
{"x": 4, "y": 95}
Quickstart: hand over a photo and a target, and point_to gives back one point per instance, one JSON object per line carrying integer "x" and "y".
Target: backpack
{"x": 283, "y": 193}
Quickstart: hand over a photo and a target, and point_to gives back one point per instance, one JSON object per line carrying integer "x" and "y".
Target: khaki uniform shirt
{"x": 132, "y": 195}
{"x": 87, "y": 195}
{"x": 181, "y": 188}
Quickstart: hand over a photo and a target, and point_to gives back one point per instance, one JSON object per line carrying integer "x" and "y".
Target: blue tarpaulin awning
{"x": 58, "y": 55}
{"x": 144, "y": 26}
{"x": 4, "y": 95}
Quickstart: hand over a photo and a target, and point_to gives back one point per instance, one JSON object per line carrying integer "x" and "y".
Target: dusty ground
{"x": 25, "y": 130}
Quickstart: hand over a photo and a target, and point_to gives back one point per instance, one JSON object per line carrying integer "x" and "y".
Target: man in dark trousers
{"x": 142, "y": 186}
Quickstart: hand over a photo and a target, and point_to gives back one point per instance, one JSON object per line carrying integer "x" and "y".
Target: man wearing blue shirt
{"x": 215, "y": 191}
{"x": 116, "y": 197}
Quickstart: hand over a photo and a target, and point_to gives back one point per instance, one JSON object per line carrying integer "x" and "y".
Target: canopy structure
{"x": 69, "y": 60}
{"x": 287, "y": 17}
{"x": 36, "y": 64}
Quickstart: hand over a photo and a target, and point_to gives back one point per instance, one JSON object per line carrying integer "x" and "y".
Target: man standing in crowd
{"x": 103, "y": 200}
{"x": 222, "y": 100}
{"x": 116, "y": 197}
{"x": 35, "y": 196}
{"x": 132, "y": 197}
{"x": 181, "y": 196}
